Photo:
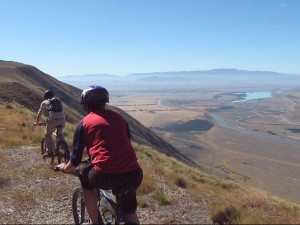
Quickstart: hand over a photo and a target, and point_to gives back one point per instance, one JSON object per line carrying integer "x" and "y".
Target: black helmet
{"x": 48, "y": 94}
{"x": 94, "y": 93}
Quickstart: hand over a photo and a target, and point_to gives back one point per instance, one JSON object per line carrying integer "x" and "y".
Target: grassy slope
{"x": 165, "y": 180}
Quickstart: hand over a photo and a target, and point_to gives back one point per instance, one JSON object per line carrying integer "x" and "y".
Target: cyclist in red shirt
{"x": 105, "y": 135}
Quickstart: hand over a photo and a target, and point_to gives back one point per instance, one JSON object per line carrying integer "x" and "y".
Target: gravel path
{"x": 32, "y": 193}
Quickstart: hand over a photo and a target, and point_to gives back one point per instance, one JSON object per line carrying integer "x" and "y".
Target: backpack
{"x": 56, "y": 105}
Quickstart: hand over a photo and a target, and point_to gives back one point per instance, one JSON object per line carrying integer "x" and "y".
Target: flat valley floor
{"x": 256, "y": 142}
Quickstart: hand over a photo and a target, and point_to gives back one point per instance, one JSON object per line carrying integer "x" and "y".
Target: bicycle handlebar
{"x": 79, "y": 169}
{"x": 76, "y": 172}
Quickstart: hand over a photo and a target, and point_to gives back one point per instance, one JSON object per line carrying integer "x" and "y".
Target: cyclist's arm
{"x": 42, "y": 109}
{"x": 65, "y": 168}
{"x": 78, "y": 145}
{"x": 76, "y": 154}
{"x": 38, "y": 118}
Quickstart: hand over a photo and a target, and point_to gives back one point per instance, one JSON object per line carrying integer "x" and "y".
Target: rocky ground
{"x": 32, "y": 193}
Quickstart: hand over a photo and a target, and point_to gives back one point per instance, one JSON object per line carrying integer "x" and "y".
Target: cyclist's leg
{"x": 126, "y": 196}
{"x": 90, "y": 196}
{"x": 50, "y": 128}
{"x": 90, "y": 199}
{"x": 126, "y": 200}
{"x": 60, "y": 124}
{"x": 61, "y": 138}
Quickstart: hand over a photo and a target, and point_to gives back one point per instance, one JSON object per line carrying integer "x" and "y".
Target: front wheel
{"x": 78, "y": 207}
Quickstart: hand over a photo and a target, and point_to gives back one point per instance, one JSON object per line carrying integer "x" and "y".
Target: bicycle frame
{"x": 116, "y": 211}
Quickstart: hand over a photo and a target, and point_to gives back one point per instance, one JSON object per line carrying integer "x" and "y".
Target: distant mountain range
{"x": 222, "y": 78}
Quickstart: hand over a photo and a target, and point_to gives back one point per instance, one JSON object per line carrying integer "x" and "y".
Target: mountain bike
{"x": 109, "y": 212}
{"x": 60, "y": 147}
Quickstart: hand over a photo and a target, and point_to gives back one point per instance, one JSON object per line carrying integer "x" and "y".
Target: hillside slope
{"x": 26, "y": 84}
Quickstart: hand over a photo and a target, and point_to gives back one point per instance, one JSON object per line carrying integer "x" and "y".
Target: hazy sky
{"x": 70, "y": 37}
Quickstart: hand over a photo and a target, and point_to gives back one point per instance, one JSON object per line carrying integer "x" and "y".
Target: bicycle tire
{"x": 43, "y": 146}
{"x": 59, "y": 154}
{"x": 78, "y": 207}
{"x": 65, "y": 153}
{"x": 44, "y": 149}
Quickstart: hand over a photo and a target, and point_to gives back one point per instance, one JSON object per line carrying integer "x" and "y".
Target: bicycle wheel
{"x": 43, "y": 146}
{"x": 78, "y": 207}
{"x": 63, "y": 154}
{"x": 44, "y": 149}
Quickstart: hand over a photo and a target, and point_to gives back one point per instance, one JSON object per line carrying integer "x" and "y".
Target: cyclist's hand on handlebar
{"x": 40, "y": 124}
{"x": 59, "y": 167}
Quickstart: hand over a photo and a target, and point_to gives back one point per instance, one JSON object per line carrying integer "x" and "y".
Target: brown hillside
{"x": 26, "y": 84}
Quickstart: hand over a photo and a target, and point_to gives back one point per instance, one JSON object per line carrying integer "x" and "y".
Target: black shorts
{"x": 123, "y": 185}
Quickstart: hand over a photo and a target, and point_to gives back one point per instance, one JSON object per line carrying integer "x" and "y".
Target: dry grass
{"x": 24, "y": 197}
{"x": 17, "y": 127}
{"x": 250, "y": 206}
{"x": 230, "y": 202}
{"x": 162, "y": 198}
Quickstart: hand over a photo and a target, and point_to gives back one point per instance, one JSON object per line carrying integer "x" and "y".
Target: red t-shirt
{"x": 105, "y": 134}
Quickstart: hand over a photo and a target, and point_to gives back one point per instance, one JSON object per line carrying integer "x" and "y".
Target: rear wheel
{"x": 63, "y": 151}
{"x": 78, "y": 207}
{"x": 43, "y": 146}
{"x": 44, "y": 150}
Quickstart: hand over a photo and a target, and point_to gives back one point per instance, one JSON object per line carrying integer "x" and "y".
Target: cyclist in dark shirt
{"x": 105, "y": 135}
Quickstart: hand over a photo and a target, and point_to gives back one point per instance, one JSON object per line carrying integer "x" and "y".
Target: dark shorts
{"x": 123, "y": 186}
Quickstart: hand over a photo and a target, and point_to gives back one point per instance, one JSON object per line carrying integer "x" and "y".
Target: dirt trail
{"x": 32, "y": 193}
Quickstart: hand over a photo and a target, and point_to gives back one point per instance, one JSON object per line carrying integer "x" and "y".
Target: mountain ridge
{"x": 211, "y": 71}
{"x": 179, "y": 80}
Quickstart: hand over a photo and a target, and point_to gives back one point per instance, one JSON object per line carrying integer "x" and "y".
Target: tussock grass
{"x": 142, "y": 203}
{"x": 17, "y": 127}
{"x": 180, "y": 181}
{"x": 162, "y": 198}
{"x": 23, "y": 197}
